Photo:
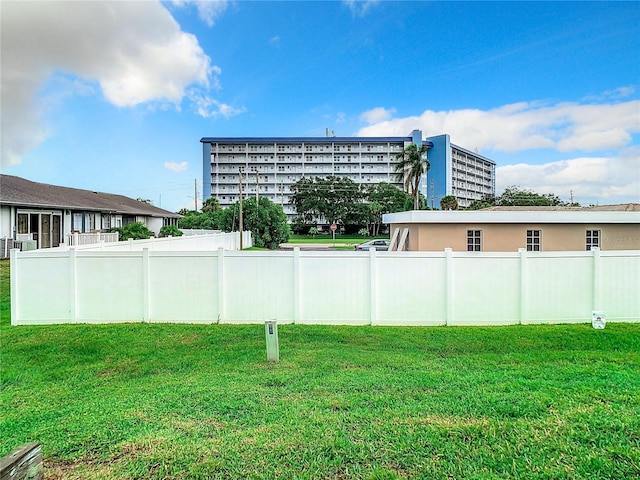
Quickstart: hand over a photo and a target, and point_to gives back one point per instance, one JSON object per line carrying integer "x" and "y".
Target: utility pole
{"x": 195, "y": 193}
{"x": 241, "y": 225}
{"x": 571, "y": 201}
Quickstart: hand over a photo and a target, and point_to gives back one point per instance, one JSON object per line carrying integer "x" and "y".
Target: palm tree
{"x": 412, "y": 165}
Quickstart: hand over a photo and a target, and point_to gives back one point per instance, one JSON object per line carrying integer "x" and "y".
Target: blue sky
{"x": 115, "y": 96}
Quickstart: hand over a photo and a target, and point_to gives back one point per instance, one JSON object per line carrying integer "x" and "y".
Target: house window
{"x": 534, "y": 240}
{"x": 593, "y": 239}
{"x": 23, "y": 223}
{"x": 474, "y": 240}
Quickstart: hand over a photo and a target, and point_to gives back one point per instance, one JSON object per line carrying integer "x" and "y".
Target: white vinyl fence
{"x": 194, "y": 242}
{"x": 342, "y": 287}
{"x": 76, "y": 238}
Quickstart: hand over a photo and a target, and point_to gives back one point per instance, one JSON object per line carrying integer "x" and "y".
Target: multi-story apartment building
{"x": 271, "y": 164}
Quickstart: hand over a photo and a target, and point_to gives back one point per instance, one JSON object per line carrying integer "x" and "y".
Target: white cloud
{"x": 176, "y": 167}
{"x": 208, "y": 10}
{"x": 360, "y": 7}
{"x": 591, "y": 179}
{"x": 524, "y": 126}
{"x": 376, "y": 115}
{"x": 208, "y": 107}
{"x": 135, "y": 52}
{"x": 607, "y": 171}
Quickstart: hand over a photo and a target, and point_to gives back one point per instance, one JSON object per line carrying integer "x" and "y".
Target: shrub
{"x": 135, "y": 231}
{"x": 170, "y": 231}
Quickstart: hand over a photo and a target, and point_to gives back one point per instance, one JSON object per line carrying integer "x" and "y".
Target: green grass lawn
{"x": 149, "y": 401}
{"x": 340, "y": 239}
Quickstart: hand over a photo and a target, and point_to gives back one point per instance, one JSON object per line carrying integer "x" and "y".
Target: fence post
{"x": 221, "y": 313}
{"x": 73, "y": 312}
{"x": 449, "y": 290}
{"x": 145, "y": 285}
{"x": 524, "y": 287}
{"x": 296, "y": 285}
{"x": 13, "y": 265}
{"x": 373, "y": 311}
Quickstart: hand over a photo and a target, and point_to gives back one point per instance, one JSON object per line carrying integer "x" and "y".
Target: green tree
{"x": 383, "y": 198}
{"x": 412, "y": 165}
{"x": 449, "y": 202}
{"x": 514, "y": 196}
{"x": 169, "y": 231}
{"x": 268, "y": 224}
{"x": 486, "y": 202}
{"x": 332, "y": 199}
{"x": 210, "y": 205}
{"x": 200, "y": 220}
{"x": 524, "y": 197}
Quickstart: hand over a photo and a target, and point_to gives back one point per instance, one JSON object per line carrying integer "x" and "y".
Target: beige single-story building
{"x": 508, "y": 229}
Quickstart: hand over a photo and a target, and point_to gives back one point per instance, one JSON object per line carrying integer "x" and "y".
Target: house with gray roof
{"x": 46, "y": 214}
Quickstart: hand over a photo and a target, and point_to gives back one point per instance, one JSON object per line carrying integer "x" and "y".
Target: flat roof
{"x": 303, "y": 139}
{"x": 513, "y": 216}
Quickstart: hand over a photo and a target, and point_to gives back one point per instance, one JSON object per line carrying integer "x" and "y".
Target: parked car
{"x": 374, "y": 244}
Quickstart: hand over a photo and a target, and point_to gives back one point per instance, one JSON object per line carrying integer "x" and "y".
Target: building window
{"x": 474, "y": 240}
{"x": 23, "y": 223}
{"x": 534, "y": 240}
{"x": 593, "y": 239}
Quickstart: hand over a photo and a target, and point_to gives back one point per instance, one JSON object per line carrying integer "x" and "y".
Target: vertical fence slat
{"x": 221, "y": 312}
{"x": 373, "y": 294}
{"x": 449, "y": 291}
{"x": 524, "y": 287}
{"x": 73, "y": 290}
{"x": 145, "y": 285}
{"x": 296, "y": 285}
{"x": 596, "y": 300}
{"x": 13, "y": 284}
